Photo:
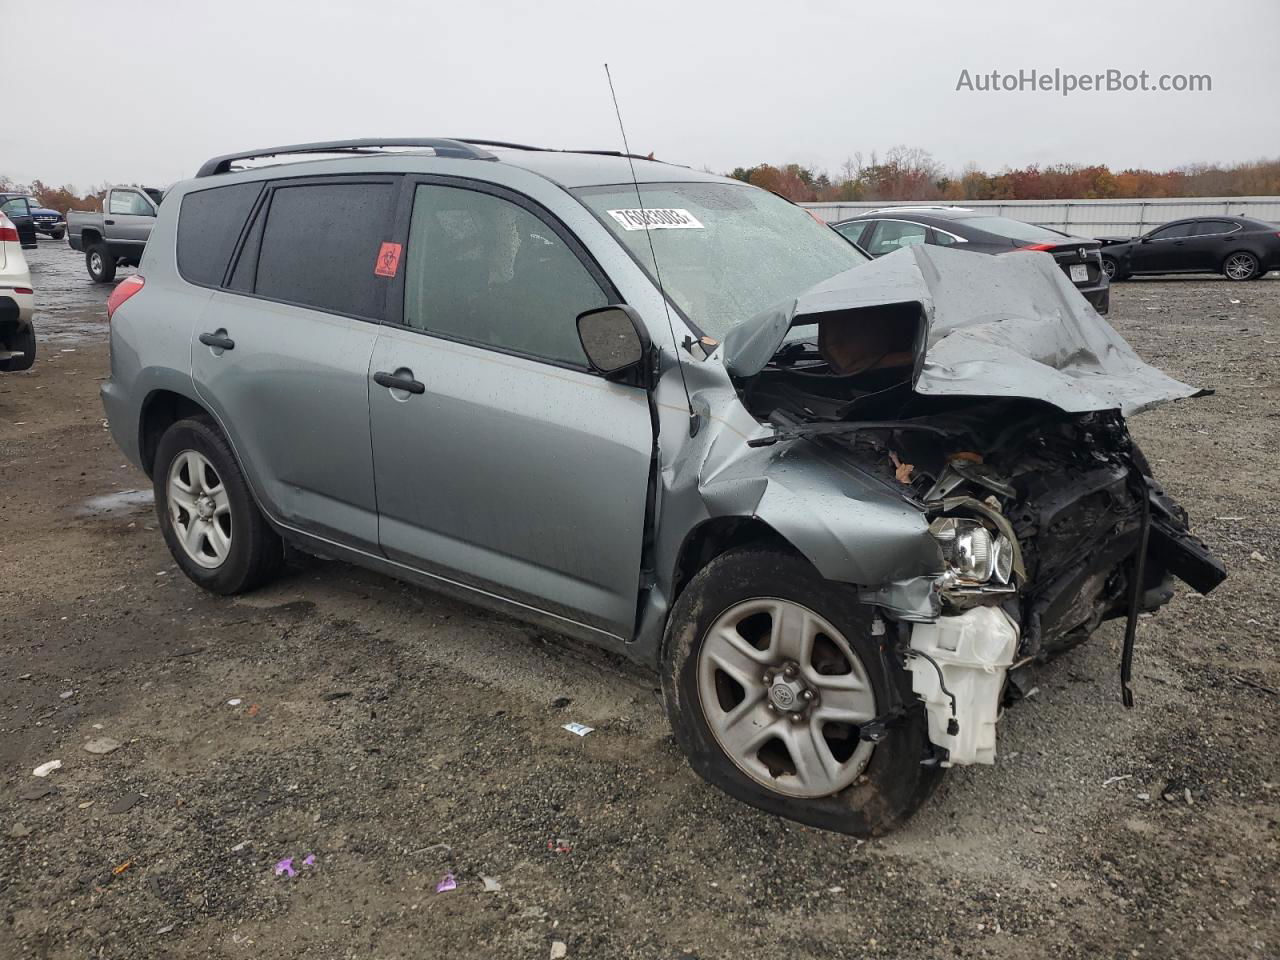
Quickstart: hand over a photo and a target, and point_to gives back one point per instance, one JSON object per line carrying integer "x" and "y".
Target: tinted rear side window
{"x": 209, "y": 225}
{"x": 320, "y": 246}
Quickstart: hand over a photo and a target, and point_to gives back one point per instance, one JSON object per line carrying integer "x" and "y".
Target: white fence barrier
{"x": 1085, "y": 218}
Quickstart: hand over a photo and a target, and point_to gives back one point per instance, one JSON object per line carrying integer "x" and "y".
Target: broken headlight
{"x": 973, "y": 553}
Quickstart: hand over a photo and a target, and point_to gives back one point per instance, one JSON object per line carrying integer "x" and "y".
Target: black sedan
{"x": 17, "y": 208}
{"x": 883, "y": 231}
{"x": 1237, "y": 247}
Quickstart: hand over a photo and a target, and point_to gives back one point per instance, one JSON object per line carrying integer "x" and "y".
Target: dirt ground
{"x": 398, "y": 737}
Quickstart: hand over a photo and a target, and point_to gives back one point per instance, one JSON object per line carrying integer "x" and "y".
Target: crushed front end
{"x": 1008, "y": 434}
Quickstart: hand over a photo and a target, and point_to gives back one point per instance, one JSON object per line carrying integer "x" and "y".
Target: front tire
{"x": 1112, "y": 269}
{"x": 211, "y": 524}
{"x": 57, "y": 235}
{"x": 100, "y": 263}
{"x": 1241, "y": 266}
{"x": 790, "y": 745}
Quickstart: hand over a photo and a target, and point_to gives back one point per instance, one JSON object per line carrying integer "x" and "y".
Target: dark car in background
{"x": 18, "y": 208}
{"x": 962, "y": 228}
{"x": 48, "y": 222}
{"x": 1239, "y": 248}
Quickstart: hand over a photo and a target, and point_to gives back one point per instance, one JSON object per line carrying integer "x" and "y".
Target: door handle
{"x": 219, "y": 341}
{"x": 109, "y": 223}
{"x": 399, "y": 381}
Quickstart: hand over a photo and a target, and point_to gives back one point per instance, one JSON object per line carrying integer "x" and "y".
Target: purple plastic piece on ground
{"x": 285, "y": 866}
{"x": 448, "y": 883}
{"x": 310, "y": 861}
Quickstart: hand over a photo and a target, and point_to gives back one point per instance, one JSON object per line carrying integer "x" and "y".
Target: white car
{"x": 17, "y": 335}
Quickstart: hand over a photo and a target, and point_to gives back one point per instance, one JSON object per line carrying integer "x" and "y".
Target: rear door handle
{"x": 109, "y": 223}
{"x": 219, "y": 341}
{"x": 399, "y": 381}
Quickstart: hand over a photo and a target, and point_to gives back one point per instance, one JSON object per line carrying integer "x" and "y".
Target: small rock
{"x": 337, "y": 695}
{"x": 125, "y": 803}
{"x": 167, "y": 928}
{"x": 1186, "y": 793}
{"x": 1144, "y": 796}
{"x": 1257, "y": 557}
{"x": 559, "y": 950}
{"x": 85, "y": 805}
{"x": 561, "y": 702}
{"x": 38, "y": 792}
{"x": 24, "y": 676}
{"x": 47, "y": 768}
{"x": 19, "y": 830}
{"x": 1038, "y": 828}
{"x": 66, "y": 694}
{"x": 102, "y": 745}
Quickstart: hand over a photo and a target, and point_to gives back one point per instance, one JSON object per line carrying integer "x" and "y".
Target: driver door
{"x": 500, "y": 460}
{"x": 1163, "y": 251}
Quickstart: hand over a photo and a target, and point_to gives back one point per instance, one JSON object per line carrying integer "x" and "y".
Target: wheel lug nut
{"x": 790, "y": 670}
{"x": 768, "y": 678}
{"x": 796, "y": 718}
{"x": 808, "y": 694}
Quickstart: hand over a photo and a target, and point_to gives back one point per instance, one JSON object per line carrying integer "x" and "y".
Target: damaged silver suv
{"x": 838, "y": 503}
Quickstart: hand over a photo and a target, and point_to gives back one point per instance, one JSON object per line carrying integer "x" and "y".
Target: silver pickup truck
{"x": 118, "y": 235}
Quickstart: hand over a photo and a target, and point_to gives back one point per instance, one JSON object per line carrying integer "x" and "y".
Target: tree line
{"x": 62, "y": 199}
{"x": 909, "y": 173}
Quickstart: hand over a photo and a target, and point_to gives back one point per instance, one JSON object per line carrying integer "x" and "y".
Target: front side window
{"x": 895, "y": 234}
{"x": 16, "y": 207}
{"x": 129, "y": 203}
{"x": 485, "y": 270}
{"x": 726, "y": 251}
{"x": 855, "y": 230}
{"x": 1172, "y": 231}
{"x": 320, "y": 246}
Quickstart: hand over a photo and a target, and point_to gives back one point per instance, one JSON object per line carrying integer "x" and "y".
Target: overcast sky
{"x": 144, "y": 90}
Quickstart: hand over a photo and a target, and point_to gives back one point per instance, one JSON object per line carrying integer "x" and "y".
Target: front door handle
{"x": 399, "y": 381}
{"x": 109, "y": 223}
{"x": 219, "y": 341}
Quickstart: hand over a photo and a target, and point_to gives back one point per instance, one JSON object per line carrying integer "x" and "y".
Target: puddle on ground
{"x": 122, "y": 501}
{"x": 70, "y": 307}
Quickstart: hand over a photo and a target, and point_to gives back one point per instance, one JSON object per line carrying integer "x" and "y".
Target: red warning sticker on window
{"x": 388, "y": 260}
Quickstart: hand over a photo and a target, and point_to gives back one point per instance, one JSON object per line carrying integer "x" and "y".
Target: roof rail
{"x": 457, "y": 149}
{"x": 524, "y": 146}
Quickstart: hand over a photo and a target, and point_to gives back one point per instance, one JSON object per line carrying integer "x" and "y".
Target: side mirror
{"x": 1144, "y": 239}
{"x": 613, "y": 339}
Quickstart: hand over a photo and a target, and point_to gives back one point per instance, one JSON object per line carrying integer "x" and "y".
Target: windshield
{"x": 1013, "y": 229}
{"x": 725, "y": 251}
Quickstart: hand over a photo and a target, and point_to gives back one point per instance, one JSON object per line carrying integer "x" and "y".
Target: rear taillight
{"x": 9, "y": 235}
{"x": 1038, "y": 246}
{"x": 125, "y": 289}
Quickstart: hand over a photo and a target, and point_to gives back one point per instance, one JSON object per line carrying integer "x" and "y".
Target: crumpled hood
{"x": 995, "y": 326}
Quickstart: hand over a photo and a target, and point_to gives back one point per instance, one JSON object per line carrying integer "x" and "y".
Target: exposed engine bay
{"x": 1045, "y": 511}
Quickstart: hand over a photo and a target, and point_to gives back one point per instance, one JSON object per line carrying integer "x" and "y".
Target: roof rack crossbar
{"x": 457, "y": 149}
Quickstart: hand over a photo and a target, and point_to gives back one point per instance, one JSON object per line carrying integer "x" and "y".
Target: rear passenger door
{"x": 281, "y": 353}
{"x": 1207, "y": 246}
{"x": 507, "y": 465}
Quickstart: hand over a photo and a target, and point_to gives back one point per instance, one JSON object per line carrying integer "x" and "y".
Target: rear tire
{"x": 232, "y": 549}
{"x": 100, "y": 263}
{"x": 876, "y": 786}
{"x": 1241, "y": 265}
{"x": 26, "y": 342}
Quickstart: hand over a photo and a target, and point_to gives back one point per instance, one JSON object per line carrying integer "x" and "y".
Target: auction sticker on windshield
{"x": 657, "y": 218}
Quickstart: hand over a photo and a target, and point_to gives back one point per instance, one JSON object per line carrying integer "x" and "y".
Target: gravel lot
{"x": 399, "y": 737}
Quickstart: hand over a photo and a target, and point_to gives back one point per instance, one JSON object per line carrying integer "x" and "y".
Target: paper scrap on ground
{"x": 581, "y": 729}
{"x": 47, "y": 768}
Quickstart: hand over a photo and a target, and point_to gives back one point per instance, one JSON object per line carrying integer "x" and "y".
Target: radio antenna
{"x": 626, "y": 150}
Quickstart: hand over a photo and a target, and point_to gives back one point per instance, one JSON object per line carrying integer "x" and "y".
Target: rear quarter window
{"x": 209, "y": 224}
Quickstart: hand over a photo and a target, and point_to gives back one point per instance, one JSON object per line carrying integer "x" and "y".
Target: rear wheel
{"x": 1240, "y": 266}
{"x": 770, "y": 676}
{"x": 100, "y": 263}
{"x": 211, "y": 524}
{"x": 25, "y": 342}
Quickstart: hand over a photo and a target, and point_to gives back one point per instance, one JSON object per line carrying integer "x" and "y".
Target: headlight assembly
{"x": 973, "y": 553}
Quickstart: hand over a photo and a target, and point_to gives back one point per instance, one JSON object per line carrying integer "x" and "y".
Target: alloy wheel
{"x": 785, "y": 697}
{"x": 1239, "y": 266}
{"x": 95, "y": 262}
{"x": 199, "y": 509}
{"x": 1109, "y": 268}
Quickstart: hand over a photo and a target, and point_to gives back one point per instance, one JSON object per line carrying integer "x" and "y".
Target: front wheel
{"x": 1240, "y": 266}
{"x": 771, "y": 674}
{"x": 211, "y": 524}
{"x": 1111, "y": 269}
{"x": 100, "y": 263}
{"x": 57, "y": 235}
